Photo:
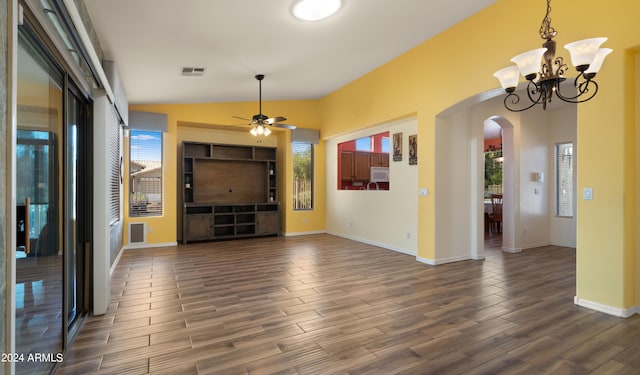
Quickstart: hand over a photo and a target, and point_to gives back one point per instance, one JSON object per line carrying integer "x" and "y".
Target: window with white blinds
{"x": 114, "y": 164}
{"x": 302, "y": 175}
{"x": 145, "y": 173}
{"x": 564, "y": 179}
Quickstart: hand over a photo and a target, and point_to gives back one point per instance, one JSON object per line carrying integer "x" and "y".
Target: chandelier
{"x": 544, "y": 71}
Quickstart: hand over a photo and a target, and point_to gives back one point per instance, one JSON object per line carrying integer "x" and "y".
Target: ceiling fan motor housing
{"x": 259, "y": 118}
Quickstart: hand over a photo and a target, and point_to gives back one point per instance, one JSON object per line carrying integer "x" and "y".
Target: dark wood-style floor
{"x": 325, "y": 305}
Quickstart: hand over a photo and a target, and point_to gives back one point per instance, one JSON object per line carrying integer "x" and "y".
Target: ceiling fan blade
{"x": 273, "y": 120}
{"x": 285, "y": 126}
{"x": 241, "y": 118}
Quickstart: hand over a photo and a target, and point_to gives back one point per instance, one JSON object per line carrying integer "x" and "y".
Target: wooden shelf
{"x": 223, "y": 221}
{"x": 229, "y": 191}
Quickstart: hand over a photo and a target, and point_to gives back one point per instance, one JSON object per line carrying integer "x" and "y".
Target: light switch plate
{"x": 587, "y": 194}
{"x": 423, "y": 191}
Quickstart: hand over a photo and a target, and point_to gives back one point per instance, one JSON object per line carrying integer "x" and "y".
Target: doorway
{"x": 498, "y": 191}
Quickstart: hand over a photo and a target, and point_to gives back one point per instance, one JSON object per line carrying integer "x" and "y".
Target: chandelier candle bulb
{"x": 545, "y": 71}
{"x": 508, "y": 77}
{"x": 595, "y": 66}
{"x": 529, "y": 62}
{"x": 583, "y": 52}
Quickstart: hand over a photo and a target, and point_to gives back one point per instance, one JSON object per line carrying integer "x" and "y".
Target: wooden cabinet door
{"x": 384, "y": 160}
{"x": 361, "y": 166}
{"x": 375, "y": 160}
{"x": 346, "y": 165}
{"x": 379, "y": 160}
{"x": 198, "y": 227}
{"x": 267, "y": 222}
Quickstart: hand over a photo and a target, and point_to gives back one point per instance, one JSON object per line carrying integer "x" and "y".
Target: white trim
{"x": 149, "y": 245}
{"x": 101, "y": 221}
{"x": 428, "y": 261}
{"x": 88, "y": 45}
{"x": 294, "y": 234}
{"x": 535, "y": 245}
{"x": 512, "y": 250}
{"x": 115, "y": 262}
{"x": 515, "y": 250}
{"x": 435, "y": 262}
{"x": 615, "y": 311}
{"x": 373, "y": 243}
{"x": 11, "y": 97}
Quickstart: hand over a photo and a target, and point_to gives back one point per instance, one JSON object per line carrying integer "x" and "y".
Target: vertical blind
{"x": 564, "y": 179}
{"x": 114, "y": 163}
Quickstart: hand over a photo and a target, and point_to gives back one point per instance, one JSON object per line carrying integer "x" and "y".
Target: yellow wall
{"x": 458, "y": 64}
{"x": 200, "y": 116}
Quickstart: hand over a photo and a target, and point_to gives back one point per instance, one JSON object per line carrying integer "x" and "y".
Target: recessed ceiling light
{"x": 315, "y": 10}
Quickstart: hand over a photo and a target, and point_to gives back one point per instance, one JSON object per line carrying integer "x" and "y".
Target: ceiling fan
{"x": 260, "y": 122}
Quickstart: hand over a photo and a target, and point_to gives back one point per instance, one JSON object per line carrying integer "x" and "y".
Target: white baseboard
{"x": 512, "y": 250}
{"x": 435, "y": 262}
{"x": 293, "y": 234}
{"x": 149, "y": 245}
{"x": 428, "y": 261}
{"x": 115, "y": 262}
{"x": 615, "y": 311}
{"x": 374, "y": 243}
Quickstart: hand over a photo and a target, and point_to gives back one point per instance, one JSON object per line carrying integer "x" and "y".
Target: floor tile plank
{"x": 321, "y": 304}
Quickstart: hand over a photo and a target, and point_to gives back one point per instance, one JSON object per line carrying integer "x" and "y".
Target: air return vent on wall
{"x": 192, "y": 71}
{"x": 137, "y": 233}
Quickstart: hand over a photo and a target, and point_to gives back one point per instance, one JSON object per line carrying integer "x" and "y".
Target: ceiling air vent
{"x": 192, "y": 71}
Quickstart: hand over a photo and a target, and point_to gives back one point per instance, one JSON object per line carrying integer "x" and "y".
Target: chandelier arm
{"x": 515, "y": 99}
{"x": 533, "y": 88}
{"x": 588, "y": 87}
{"x": 551, "y": 74}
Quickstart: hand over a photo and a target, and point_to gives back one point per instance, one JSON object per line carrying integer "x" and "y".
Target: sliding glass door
{"x": 53, "y": 194}
{"x": 77, "y": 211}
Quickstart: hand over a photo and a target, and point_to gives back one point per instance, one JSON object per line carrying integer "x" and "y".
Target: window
{"x": 363, "y": 144}
{"x": 145, "y": 173}
{"x": 35, "y": 157}
{"x": 363, "y": 163}
{"x": 302, "y": 176}
{"x": 564, "y": 179}
{"x": 385, "y": 145}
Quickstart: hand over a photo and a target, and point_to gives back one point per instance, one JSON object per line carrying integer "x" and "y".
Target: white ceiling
{"x": 150, "y": 41}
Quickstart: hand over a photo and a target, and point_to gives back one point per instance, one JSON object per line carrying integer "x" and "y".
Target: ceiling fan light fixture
{"x": 261, "y": 130}
{"x": 261, "y": 123}
{"x": 315, "y": 10}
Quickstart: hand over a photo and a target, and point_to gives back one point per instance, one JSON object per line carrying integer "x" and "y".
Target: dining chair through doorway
{"x": 495, "y": 216}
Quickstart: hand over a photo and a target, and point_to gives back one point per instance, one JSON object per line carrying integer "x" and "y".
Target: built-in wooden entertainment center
{"x": 229, "y": 191}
